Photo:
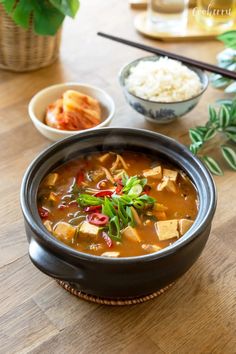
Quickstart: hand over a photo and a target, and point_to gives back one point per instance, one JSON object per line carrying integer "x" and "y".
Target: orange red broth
{"x": 182, "y": 204}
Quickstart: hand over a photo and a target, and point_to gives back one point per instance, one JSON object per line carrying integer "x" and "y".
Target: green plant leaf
{"x": 224, "y": 116}
{"x": 212, "y": 165}
{"x": 231, "y": 88}
{"x": 66, "y": 7}
{"x": 227, "y": 54}
{"x": 195, "y": 136}
{"x": 219, "y": 81}
{"x": 231, "y": 136}
{"x": 201, "y": 129}
{"x": 8, "y": 5}
{"x": 47, "y": 19}
{"x": 229, "y": 156}
{"x": 232, "y": 66}
{"x": 224, "y": 101}
{"x": 210, "y": 134}
{"x": 231, "y": 133}
{"x": 212, "y": 114}
{"x": 47, "y": 15}
{"x": 195, "y": 147}
{"x": 22, "y": 12}
{"x": 229, "y": 39}
{"x": 231, "y": 129}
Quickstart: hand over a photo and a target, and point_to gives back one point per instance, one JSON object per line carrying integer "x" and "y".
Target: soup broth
{"x": 117, "y": 205}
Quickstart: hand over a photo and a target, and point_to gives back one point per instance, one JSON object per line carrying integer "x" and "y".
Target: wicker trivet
{"x": 112, "y": 302}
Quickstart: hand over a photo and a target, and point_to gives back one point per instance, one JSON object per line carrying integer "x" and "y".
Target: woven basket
{"x": 23, "y": 50}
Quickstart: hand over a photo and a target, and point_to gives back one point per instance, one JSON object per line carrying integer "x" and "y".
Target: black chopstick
{"x": 198, "y": 64}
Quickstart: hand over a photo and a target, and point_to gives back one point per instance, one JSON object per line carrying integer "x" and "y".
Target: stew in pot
{"x": 117, "y": 205}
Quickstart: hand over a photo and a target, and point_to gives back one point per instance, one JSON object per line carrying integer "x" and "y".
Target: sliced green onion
{"x": 122, "y": 214}
{"x": 86, "y": 199}
{"x": 131, "y": 217}
{"x": 114, "y": 228}
{"x": 108, "y": 209}
{"x": 136, "y": 190}
{"x": 138, "y": 204}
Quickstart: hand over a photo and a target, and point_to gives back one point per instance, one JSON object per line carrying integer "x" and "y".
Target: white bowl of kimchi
{"x": 58, "y": 112}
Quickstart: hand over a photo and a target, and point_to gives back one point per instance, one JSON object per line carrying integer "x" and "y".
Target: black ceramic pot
{"x": 122, "y": 277}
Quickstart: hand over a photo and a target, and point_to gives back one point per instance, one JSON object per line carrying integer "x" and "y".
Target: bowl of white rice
{"x": 162, "y": 89}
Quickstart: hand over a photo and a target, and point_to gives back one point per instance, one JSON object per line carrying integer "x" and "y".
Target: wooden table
{"x": 198, "y": 314}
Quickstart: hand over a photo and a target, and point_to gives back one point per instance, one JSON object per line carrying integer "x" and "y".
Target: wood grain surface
{"x": 198, "y": 314}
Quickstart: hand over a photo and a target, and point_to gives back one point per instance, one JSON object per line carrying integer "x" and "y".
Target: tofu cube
{"x": 135, "y": 216}
{"x": 51, "y": 179}
{"x": 167, "y": 184}
{"x": 88, "y": 229}
{"x": 171, "y": 174}
{"x": 150, "y": 248}
{"x": 111, "y": 254}
{"x": 167, "y": 229}
{"x": 64, "y": 230}
{"x": 155, "y": 172}
{"x": 184, "y": 225}
{"x": 131, "y": 234}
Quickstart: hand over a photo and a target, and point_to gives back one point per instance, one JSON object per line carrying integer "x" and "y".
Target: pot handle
{"x": 52, "y": 265}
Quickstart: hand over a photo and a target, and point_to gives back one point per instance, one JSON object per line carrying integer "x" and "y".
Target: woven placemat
{"x": 112, "y": 302}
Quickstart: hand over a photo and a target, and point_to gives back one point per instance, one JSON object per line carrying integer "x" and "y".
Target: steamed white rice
{"x": 163, "y": 80}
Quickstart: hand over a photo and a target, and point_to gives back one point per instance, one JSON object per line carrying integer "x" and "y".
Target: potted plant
{"x": 30, "y": 32}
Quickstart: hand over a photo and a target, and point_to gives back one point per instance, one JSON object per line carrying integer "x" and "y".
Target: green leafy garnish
{"x": 87, "y": 200}
{"x": 114, "y": 228}
{"x": 118, "y": 207}
{"x": 133, "y": 181}
{"x": 130, "y": 216}
{"x": 108, "y": 209}
{"x": 122, "y": 214}
{"x": 147, "y": 199}
{"x": 136, "y": 190}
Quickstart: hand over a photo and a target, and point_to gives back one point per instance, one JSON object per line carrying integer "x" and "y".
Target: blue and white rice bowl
{"x": 156, "y": 111}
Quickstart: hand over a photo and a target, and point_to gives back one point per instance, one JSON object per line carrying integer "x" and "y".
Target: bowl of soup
{"x": 117, "y": 212}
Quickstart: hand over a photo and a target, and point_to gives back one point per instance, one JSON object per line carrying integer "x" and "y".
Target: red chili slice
{"x": 103, "y": 194}
{"x": 93, "y": 208}
{"x": 97, "y": 219}
{"x": 119, "y": 189}
{"x": 44, "y": 213}
{"x": 107, "y": 239}
{"x": 80, "y": 177}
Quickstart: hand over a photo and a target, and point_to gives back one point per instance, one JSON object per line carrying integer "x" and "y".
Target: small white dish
{"x": 40, "y": 101}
